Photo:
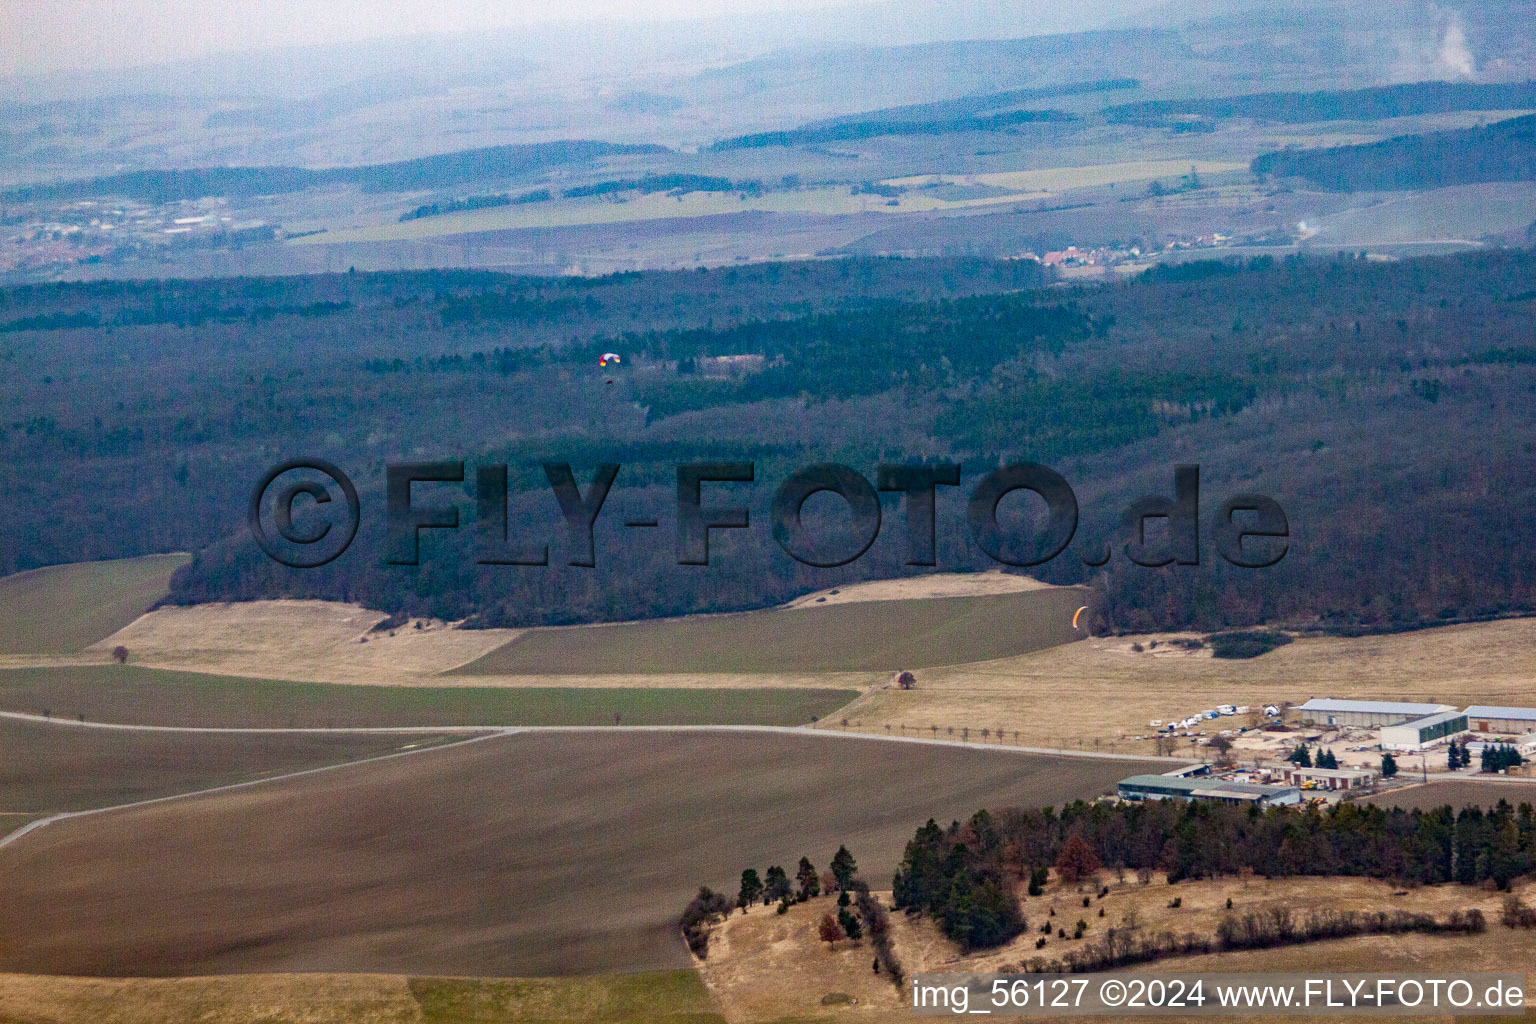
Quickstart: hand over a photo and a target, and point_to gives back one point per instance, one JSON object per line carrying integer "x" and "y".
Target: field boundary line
{"x": 800, "y": 730}
{"x": 401, "y": 730}
{"x": 33, "y": 826}
{"x": 790, "y": 730}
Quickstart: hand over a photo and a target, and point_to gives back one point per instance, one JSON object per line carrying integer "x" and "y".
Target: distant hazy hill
{"x": 890, "y": 76}
{"x": 1178, "y": 50}
{"x": 1330, "y": 43}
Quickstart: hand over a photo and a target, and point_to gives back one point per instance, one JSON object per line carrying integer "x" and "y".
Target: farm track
{"x": 38, "y": 823}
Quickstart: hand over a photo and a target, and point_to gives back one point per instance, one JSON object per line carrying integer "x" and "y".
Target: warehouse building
{"x": 1168, "y": 787}
{"x": 1330, "y": 778}
{"x": 1365, "y": 713}
{"x": 1501, "y": 721}
{"x": 1424, "y": 732}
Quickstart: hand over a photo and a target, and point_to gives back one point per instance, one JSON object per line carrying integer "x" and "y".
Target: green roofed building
{"x": 1424, "y": 732}
{"x": 1172, "y": 787}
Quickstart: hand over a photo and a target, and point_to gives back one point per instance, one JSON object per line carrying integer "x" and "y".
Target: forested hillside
{"x": 991, "y": 111}
{"x": 1380, "y": 102}
{"x": 1504, "y": 151}
{"x": 870, "y": 128}
{"x": 1386, "y": 407}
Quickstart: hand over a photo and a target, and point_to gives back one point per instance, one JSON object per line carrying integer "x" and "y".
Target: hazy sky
{"x": 48, "y": 35}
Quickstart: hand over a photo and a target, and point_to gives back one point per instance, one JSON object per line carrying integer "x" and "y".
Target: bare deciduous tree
{"x": 828, "y": 930}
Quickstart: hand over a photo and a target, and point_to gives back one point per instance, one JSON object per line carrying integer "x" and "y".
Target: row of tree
{"x": 1277, "y": 926}
{"x": 774, "y": 885}
{"x": 1497, "y": 757}
{"x": 1494, "y": 758}
{"x": 1302, "y": 757}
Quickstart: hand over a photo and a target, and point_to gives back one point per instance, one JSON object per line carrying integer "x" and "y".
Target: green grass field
{"x": 127, "y": 693}
{"x": 662, "y": 997}
{"x": 61, "y": 609}
{"x": 855, "y": 637}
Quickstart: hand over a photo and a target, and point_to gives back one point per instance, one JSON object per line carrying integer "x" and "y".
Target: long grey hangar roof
{"x": 1436, "y": 719}
{"x": 1376, "y": 707}
{"x": 1496, "y": 711}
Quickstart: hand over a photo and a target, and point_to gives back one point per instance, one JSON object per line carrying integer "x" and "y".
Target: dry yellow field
{"x": 947, "y": 584}
{"x": 332, "y": 642}
{"x": 300, "y": 641}
{"x": 1101, "y": 693}
{"x": 322, "y": 642}
{"x": 751, "y": 954}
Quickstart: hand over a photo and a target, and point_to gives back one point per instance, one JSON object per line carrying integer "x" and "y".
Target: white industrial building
{"x": 1365, "y": 713}
{"x": 1501, "y": 721}
{"x": 1418, "y": 733}
{"x": 1329, "y": 778}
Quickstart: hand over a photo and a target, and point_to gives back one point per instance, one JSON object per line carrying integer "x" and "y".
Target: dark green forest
{"x": 1385, "y": 406}
{"x": 1503, "y": 151}
{"x": 477, "y": 202}
{"x": 847, "y": 131}
{"x": 1376, "y": 103}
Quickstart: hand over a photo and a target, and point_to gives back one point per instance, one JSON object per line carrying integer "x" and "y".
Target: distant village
{"x": 87, "y": 231}
{"x": 1073, "y": 263}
